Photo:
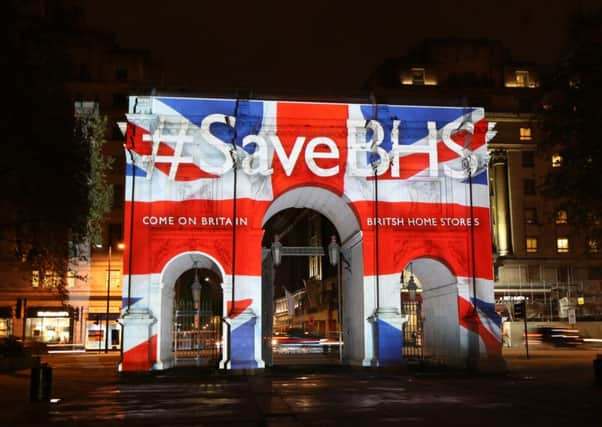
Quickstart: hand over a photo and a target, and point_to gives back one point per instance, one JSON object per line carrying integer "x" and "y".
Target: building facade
{"x": 80, "y": 68}
{"x": 538, "y": 254}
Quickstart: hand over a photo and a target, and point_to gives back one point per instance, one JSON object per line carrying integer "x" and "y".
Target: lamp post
{"x": 276, "y": 251}
{"x": 195, "y": 287}
{"x": 412, "y": 288}
{"x": 334, "y": 251}
{"x": 119, "y": 246}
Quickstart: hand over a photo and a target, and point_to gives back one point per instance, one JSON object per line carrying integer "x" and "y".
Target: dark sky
{"x": 327, "y": 44}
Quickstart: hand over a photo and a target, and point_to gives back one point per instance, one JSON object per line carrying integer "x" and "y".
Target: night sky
{"x": 319, "y": 45}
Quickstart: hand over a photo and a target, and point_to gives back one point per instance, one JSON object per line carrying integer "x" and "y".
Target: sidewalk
{"x": 552, "y": 388}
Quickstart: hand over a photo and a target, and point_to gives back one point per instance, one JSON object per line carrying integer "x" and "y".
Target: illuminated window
{"x": 527, "y": 159}
{"x": 418, "y": 76}
{"x": 556, "y": 160}
{"x": 522, "y": 78}
{"x": 533, "y": 273}
{"x": 35, "y": 279}
{"x": 562, "y": 245}
{"x": 562, "y": 217}
{"x": 530, "y": 216}
{"x": 593, "y": 246}
{"x": 531, "y": 244}
{"x": 70, "y": 280}
{"x": 525, "y": 134}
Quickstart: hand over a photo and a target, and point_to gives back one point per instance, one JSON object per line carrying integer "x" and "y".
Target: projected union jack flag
{"x": 415, "y": 179}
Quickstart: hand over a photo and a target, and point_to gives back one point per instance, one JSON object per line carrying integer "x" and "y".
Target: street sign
{"x": 519, "y": 310}
{"x": 572, "y": 316}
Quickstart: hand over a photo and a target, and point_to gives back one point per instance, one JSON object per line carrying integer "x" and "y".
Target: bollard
{"x": 40, "y": 386}
{"x": 598, "y": 370}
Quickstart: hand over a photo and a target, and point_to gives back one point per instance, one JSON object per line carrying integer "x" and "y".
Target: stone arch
{"x": 340, "y": 213}
{"x": 333, "y": 207}
{"x": 442, "y": 335}
{"x": 164, "y": 313}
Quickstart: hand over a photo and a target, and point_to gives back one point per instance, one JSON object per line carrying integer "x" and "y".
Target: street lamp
{"x": 276, "y": 250}
{"x": 412, "y": 288}
{"x": 195, "y": 287}
{"x": 333, "y": 251}
{"x": 120, "y": 246}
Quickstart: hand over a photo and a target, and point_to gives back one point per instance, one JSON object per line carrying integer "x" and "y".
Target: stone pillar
{"x": 241, "y": 342}
{"x": 502, "y": 235}
{"x": 139, "y": 345}
{"x": 387, "y": 323}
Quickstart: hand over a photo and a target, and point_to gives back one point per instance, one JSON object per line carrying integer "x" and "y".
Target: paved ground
{"x": 552, "y": 388}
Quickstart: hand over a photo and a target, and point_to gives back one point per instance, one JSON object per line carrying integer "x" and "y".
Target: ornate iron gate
{"x": 412, "y": 330}
{"x": 197, "y": 335}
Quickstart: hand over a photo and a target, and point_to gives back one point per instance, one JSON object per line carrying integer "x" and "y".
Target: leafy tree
{"x": 570, "y": 120}
{"x": 90, "y": 130}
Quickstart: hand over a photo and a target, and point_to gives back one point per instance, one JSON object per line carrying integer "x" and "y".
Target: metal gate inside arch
{"x": 197, "y": 334}
{"x": 202, "y": 175}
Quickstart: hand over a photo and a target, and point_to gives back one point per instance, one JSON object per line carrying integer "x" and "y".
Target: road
{"x": 552, "y": 388}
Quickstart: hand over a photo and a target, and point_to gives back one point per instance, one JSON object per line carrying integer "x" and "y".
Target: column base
{"x": 242, "y": 342}
{"x": 139, "y": 346}
{"x": 387, "y": 323}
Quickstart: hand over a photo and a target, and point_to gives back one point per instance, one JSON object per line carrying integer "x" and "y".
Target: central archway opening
{"x": 305, "y": 288}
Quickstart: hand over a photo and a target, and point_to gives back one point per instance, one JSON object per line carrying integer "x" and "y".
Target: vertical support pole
{"x": 108, "y": 298}
{"x": 526, "y": 332}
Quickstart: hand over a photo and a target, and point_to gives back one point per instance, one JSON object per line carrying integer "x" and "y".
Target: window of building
{"x": 121, "y": 74}
{"x": 529, "y": 186}
{"x": 120, "y": 100}
{"x": 35, "y": 279}
{"x": 594, "y": 273}
{"x": 118, "y": 195}
{"x": 522, "y": 78}
{"x": 556, "y": 160}
{"x": 531, "y": 216}
{"x": 418, "y": 76}
{"x": 84, "y": 73}
{"x": 562, "y": 217}
{"x": 531, "y": 244}
{"x": 533, "y": 273}
{"x": 562, "y": 245}
{"x": 525, "y": 134}
{"x": 593, "y": 246}
{"x": 115, "y": 234}
{"x": 71, "y": 280}
{"x": 527, "y": 159}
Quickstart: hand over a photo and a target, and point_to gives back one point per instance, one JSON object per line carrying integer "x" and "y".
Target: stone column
{"x": 502, "y": 234}
{"x": 387, "y": 324}
{"x": 139, "y": 345}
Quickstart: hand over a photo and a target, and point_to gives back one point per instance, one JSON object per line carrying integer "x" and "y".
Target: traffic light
{"x": 76, "y": 314}
{"x": 519, "y": 310}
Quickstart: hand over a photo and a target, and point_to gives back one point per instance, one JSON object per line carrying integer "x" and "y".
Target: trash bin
{"x": 598, "y": 370}
{"x": 40, "y": 386}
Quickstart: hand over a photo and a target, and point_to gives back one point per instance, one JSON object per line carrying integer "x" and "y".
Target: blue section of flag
{"x": 478, "y": 179}
{"x": 131, "y": 170}
{"x": 412, "y": 126}
{"x": 133, "y": 300}
{"x": 413, "y": 122}
{"x": 488, "y": 309}
{"x": 242, "y": 345}
{"x": 249, "y": 116}
{"x": 389, "y": 344}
